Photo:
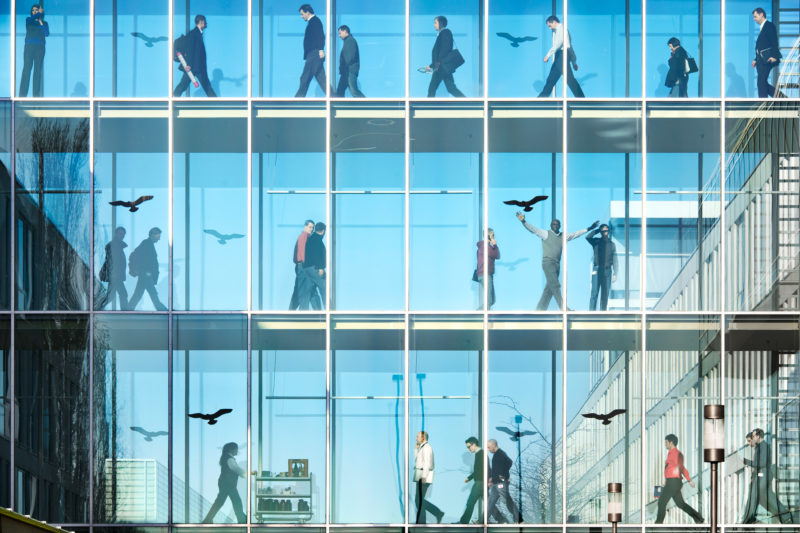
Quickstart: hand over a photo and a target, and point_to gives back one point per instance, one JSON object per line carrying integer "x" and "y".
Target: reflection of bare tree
{"x": 53, "y": 173}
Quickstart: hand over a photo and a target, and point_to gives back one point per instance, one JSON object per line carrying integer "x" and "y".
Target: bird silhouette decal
{"x": 211, "y": 418}
{"x": 527, "y": 205}
{"x": 515, "y": 40}
{"x": 134, "y": 205}
{"x": 605, "y": 418}
{"x": 148, "y": 41}
{"x": 515, "y": 435}
{"x": 223, "y": 238}
{"x": 148, "y": 435}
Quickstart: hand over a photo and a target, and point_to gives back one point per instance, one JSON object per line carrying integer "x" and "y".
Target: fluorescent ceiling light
{"x": 516, "y": 326}
{"x": 682, "y": 326}
{"x": 438, "y": 326}
{"x": 212, "y": 113}
{"x": 684, "y": 113}
{"x": 370, "y": 113}
{"x": 606, "y": 113}
{"x": 762, "y": 113}
{"x": 59, "y": 113}
{"x": 764, "y": 326}
{"x": 394, "y": 325}
{"x": 448, "y": 113}
{"x": 615, "y": 325}
{"x": 527, "y": 113}
{"x": 290, "y": 113}
{"x": 281, "y": 325}
{"x": 134, "y": 113}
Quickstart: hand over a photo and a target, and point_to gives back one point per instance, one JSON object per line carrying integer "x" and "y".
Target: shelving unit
{"x": 272, "y": 488}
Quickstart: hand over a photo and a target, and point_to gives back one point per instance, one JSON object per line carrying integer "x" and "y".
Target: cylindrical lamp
{"x": 714, "y": 433}
{"x": 615, "y": 502}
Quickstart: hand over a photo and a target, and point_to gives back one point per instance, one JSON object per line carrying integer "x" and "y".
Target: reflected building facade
{"x": 156, "y": 372}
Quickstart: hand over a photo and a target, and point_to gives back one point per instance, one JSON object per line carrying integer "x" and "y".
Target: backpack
{"x": 133, "y": 266}
{"x": 179, "y": 45}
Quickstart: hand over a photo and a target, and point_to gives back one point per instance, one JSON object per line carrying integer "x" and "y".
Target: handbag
{"x": 691, "y": 65}
{"x": 452, "y": 61}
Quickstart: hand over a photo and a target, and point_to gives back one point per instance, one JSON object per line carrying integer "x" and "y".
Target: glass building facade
{"x": 164, "y": 356}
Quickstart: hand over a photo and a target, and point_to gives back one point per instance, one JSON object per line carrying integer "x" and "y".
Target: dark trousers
{"x": 310, "y": 283}
{"x": 438, "y": 77}
{"x": 601, "y": 282}
{"x": 767, "y": 499}
{"x": 348, "y": 81}
{"x": 496, "y": 492}
{"x": 475, "y": 494}
{"x": 33, "y": 59}
{"x": 552, "y": 289}
{"x": 424, "y": 505}
{"x": 672, "y": 491}
{"x": 314, "y": 67}
{"x": 763, "y": 68}
{"x": 555, "y": 73}
{"x": 294, "y": 303}
{"x": 117, "y": 287}
{"x": 202, "y": 79}
{"x": 236, "y": 502}
{"x": 680, "y": 89}
{"x": 145, "y": 282}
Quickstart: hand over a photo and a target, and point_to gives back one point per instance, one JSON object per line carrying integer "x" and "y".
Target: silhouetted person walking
{"x": 768, "y": 53}
{"x": 299, "y": 257}
{"x": 143, "y": 264}
{"x": 113, "y": 271}
{"x": 195, "y": 56}
{"x": 313, "y": 51}
{"x": 349, "y": 64}
{"x": 499, "y": 479}
{"x": 561, "y": 41}
{"x": 604, "y": 265}
{"x": 476, "y": 492}
{"x": 441, "y": 67}
{"x": 762, "y": 478}
{"x": 673, "y": 470}
{"x": 229, "y": 474}
{"x": 36, "y": 31}
{"x": 314, "y": 270}
{"x": 485, "y": 271}
{"x": 751, "y": 504}
{"x": 423, "y": 477}
{"x": 677, "y": 77}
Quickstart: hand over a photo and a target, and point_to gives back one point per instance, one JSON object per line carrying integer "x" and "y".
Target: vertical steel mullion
{"x": 326, "y": 296}
{"x": 563, "y": 312}
{"x": 12, "y": 293}
{"x": 484, "y": 205}
{"x": 12, "y": 62}
{"x": 249, "y": 386}
{"x": 90, "y": 355}
{"x": 722, "y": 283}
{"x": 407, "y": 247}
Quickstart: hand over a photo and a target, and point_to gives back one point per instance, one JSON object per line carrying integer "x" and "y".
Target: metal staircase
{"x": 787, "y": 429}
{"x": 787, "y": 22}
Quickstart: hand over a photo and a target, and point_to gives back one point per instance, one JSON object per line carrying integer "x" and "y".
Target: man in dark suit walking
{"x": 768, "y": 53}
{"x": 313, "y": 51}
{"x": 195, "y": 56}
{"x": 762, "y": 479}
{"x": 499, "y": 478}
{"x": 476, "y": 492}
{"x": 441, "y": 68}
{"x": 349, "y": 64}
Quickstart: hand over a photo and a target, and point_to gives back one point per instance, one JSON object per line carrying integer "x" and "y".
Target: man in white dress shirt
{"x": 423, "y": 477}
{"x": 560, "y": 43}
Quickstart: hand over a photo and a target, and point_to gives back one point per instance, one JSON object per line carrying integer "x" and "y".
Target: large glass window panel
{"x": 131, "y": 426}
{"x": 210, "y": 207}
{"x": 683, "y": 207}
{"x": 209, "y": 419}
{"x": 762, "y": 184}
{"x": 465, "y": 22}
{"x": 288, "y": 422}
{"x": 5, "y": 204}
{"x": 446, "y": 195}
{"x": 368, "y": 207}
{"x": 682, "y": 374}
{"x": 762, "y": 387}
{"x": 525, "y": 396}
{"x": 379, "y": 30}
{"x": 604, "y": 366}
{"x": 225, "y": 41}
{"x": 522, "y": 137}
{"x": 278, "y": 56}
{"x": 131, "y": 48}
{"x": 5, "y": 412}
{"x": 131, "y": 165}
{"x": 57, "y": 49}
{"x": 5, "y": 38}
{"x": 289, "y": 187}
{"x": 696, "y": 24}
{"x": 51, "y": 395}
{"x": 518, "y": 36}
{"x": 445, "y": 388}
{"x": 604, "y": 175}
{"x": 367, "y": 420}
{"x": 607, "y": 40}
{"x": 52, "y": 207}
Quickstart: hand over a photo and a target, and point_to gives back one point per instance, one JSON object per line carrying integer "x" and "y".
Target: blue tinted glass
{"x": 5, "y": 203}
{"x": 63, "y": 31}
{"x": 5, "y": 39}
{"x": 131, "y": 48}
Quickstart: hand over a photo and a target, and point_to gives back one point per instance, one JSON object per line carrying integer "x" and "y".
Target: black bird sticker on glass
{"x": 134, "y": 205}
{"x": 527, "y": 205}
{"x": 211, "y": 418}
{"x": 515, "y": 435}
{"x": 223, "y": 238}
{"x": 605, "y": 418}
{"x": 515, "y": 40}
{"x": 148, "y": 435}
{"x": 148, "y": 41}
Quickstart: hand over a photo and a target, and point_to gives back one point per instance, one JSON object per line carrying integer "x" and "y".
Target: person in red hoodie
{"x": 494, "y": 253}
{"x": 673, "y": 470}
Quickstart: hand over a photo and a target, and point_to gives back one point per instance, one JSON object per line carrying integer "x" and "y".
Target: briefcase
{"x": 452, "y": 61}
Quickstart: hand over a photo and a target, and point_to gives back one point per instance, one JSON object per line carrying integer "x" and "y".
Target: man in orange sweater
{"x": 673, "y": 470}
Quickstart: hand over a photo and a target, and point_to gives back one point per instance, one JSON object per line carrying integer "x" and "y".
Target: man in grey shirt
{"x": 552, "y": 245}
